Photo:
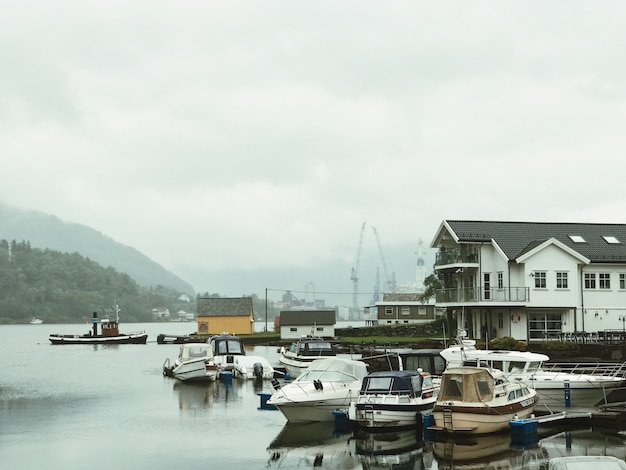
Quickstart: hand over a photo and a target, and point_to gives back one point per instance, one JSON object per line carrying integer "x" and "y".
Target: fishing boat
{"x": 480, "y": 400}
{"x": 229, "y": 355}
{"x": 588, "y": 384}
{"x": 304, "y": 351}
{"x": 325, "y": 386}
{"x": 110, "y": 334}
{"x": 393, "y": 399}
{"x": 194, "y": 363}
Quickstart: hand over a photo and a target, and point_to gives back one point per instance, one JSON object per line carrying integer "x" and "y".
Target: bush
{"x": 508, "y": 343}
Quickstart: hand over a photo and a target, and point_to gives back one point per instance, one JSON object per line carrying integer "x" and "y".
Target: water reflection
{"x": 488, "y": 451}
{"x": 390, "y": 450}
{"x": 309, "y": 445}
{"x": 585, "y": 442}
{"x": 202, "y": 396}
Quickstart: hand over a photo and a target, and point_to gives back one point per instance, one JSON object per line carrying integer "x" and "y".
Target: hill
{"x": 46, "y": 231}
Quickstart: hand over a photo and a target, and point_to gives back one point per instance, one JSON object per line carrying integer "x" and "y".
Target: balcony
{"x": 455, "y": 257}
{"x": 478, "y": 294}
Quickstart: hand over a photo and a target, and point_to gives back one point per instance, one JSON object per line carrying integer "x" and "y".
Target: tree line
{"x": 67, "y": 287}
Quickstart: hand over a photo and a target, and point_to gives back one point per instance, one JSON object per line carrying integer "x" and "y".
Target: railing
{"x": 454, "y": 257}
{"x": 478, "y": 294}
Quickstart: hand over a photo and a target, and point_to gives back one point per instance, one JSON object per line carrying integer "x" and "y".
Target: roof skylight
{"x": 577, "y": 239}
{"x": 611, "y": 240}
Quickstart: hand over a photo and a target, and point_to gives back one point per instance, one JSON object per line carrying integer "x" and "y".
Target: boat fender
{"x": 318, "y": 385}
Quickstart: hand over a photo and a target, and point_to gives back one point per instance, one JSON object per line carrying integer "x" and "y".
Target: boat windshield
{"x": 229, "y": 347}
{"x": 325, "y": 376}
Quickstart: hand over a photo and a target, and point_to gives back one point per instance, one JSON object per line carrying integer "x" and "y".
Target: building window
{"x": 577, "y": 239}
{"x": 622, "y": 281}
{"x": 590, "y": 280}
{"x": 421, "y": 310}
{"x": 320, "y": 328}
{"x": 611, "y": 240}
{"x": 388, "y": 311}
{"x": 561, "y": 280}
{"x": 500, "y": 280}
{"x": 406, "y": 311}
{"x": 604, "y": 280}
{"x": 540, "y": 280}
{"x": 293, "y": 330}
{"x": 544, "y": 325}
{"x": 487, "y": 283}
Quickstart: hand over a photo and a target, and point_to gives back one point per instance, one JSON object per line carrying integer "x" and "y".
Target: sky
{"x": 251, "y": 139}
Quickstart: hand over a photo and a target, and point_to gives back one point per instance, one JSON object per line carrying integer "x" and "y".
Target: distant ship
{"x": 36, "y": 321}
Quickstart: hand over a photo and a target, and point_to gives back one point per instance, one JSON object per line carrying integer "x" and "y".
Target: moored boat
{"x": 110, "y": 334}
{"x": 588, "y": 384}
{"x": 325, "y": 386}
{"x": 229, "y": 354}
{"x": 303, "y": 352}
{"x": 36, "y": 321}
{"x": 393, "y": 399}
{"x": 194, "y": 363}
{"x": 480, "y": 400}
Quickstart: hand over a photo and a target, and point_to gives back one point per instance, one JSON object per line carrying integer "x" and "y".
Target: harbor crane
{"x": 390, "y": 279}
{"x": 354, "y": 277}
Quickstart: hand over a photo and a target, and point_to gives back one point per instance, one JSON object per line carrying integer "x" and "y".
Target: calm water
{"x": 109, "y": 407}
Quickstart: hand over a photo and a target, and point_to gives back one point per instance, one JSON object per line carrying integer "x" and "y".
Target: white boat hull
{"x": 389, "y": 415}
{"x": 194, "y": 370}
{"x": 478, "y": 423}
{"x": 318, "y": 407}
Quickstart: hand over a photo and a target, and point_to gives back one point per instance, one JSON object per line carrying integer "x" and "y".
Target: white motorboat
{"x": 36, "y": 321}
{"x": 325, "y": 386}
{"x": 194, "y": 363}
{"x": 583, "y": 462}
{"x": 587, "y": 384}
{"x": 304, "y": 351}
{"x": 393, "y": 399}
{"x": 230, "y": 357}
{"x": 480, "y": 400}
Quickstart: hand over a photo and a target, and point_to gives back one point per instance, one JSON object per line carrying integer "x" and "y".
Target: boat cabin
{"x": 226, "y": 344}
{"x": 402, "y": 382}
{"x": 467, "y": 384}
{"x": 192, "y": 351}
{"x": 312, "y": 346}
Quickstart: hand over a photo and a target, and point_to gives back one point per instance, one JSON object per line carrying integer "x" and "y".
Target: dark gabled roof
{"x": 224, "y": 307}
{"x": 402, "y": 297}
{"x": 516, "y": 238}
{"x": 307, "y": 317}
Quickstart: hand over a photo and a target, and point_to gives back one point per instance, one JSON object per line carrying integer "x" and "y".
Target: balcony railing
{"x": 454, "y": 257}
{"x": 477, "y": 294}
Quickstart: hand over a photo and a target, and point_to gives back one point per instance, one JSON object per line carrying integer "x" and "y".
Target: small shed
{"x": 219, "y": 314}
{"x": 297, "y": 323}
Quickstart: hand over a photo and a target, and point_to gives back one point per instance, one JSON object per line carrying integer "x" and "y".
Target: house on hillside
{"x": 403, "y": 308}
{"x": 532, "y": 280}
{"x": 217, "y": 315}
{"x": 297, "y": 323}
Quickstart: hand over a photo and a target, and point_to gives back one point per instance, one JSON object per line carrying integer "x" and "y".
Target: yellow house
{"x": 219, "y": 314}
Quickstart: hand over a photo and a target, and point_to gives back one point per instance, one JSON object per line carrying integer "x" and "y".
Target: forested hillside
{"x": 47, "y": 231}
{"x": 63, "y": 288}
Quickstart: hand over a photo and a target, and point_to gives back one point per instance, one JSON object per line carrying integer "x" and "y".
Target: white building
{"x": 532, "y": 280}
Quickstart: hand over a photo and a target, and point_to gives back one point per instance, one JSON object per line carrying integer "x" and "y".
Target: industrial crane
{"x": 391, "y": 280}
{"x": 355, "y": 272}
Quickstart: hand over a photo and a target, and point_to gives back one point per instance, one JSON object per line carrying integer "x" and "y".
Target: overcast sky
{"x": 260, "y": 135}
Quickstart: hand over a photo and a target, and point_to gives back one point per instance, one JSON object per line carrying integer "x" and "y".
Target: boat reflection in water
{"x": 396, "y": 450}
{"x": 313, "y": 444}
{"x": 194, "y": 397}
{"x": 476, "y": 452}
{"x": 585, "y": 442}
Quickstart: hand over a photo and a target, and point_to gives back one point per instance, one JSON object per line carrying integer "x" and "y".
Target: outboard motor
{"x": 258, "y": 370}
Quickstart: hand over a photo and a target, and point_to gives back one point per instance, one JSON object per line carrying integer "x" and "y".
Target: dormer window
{"x": 611, "y": 240}
{"x": 577, "y": 239}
